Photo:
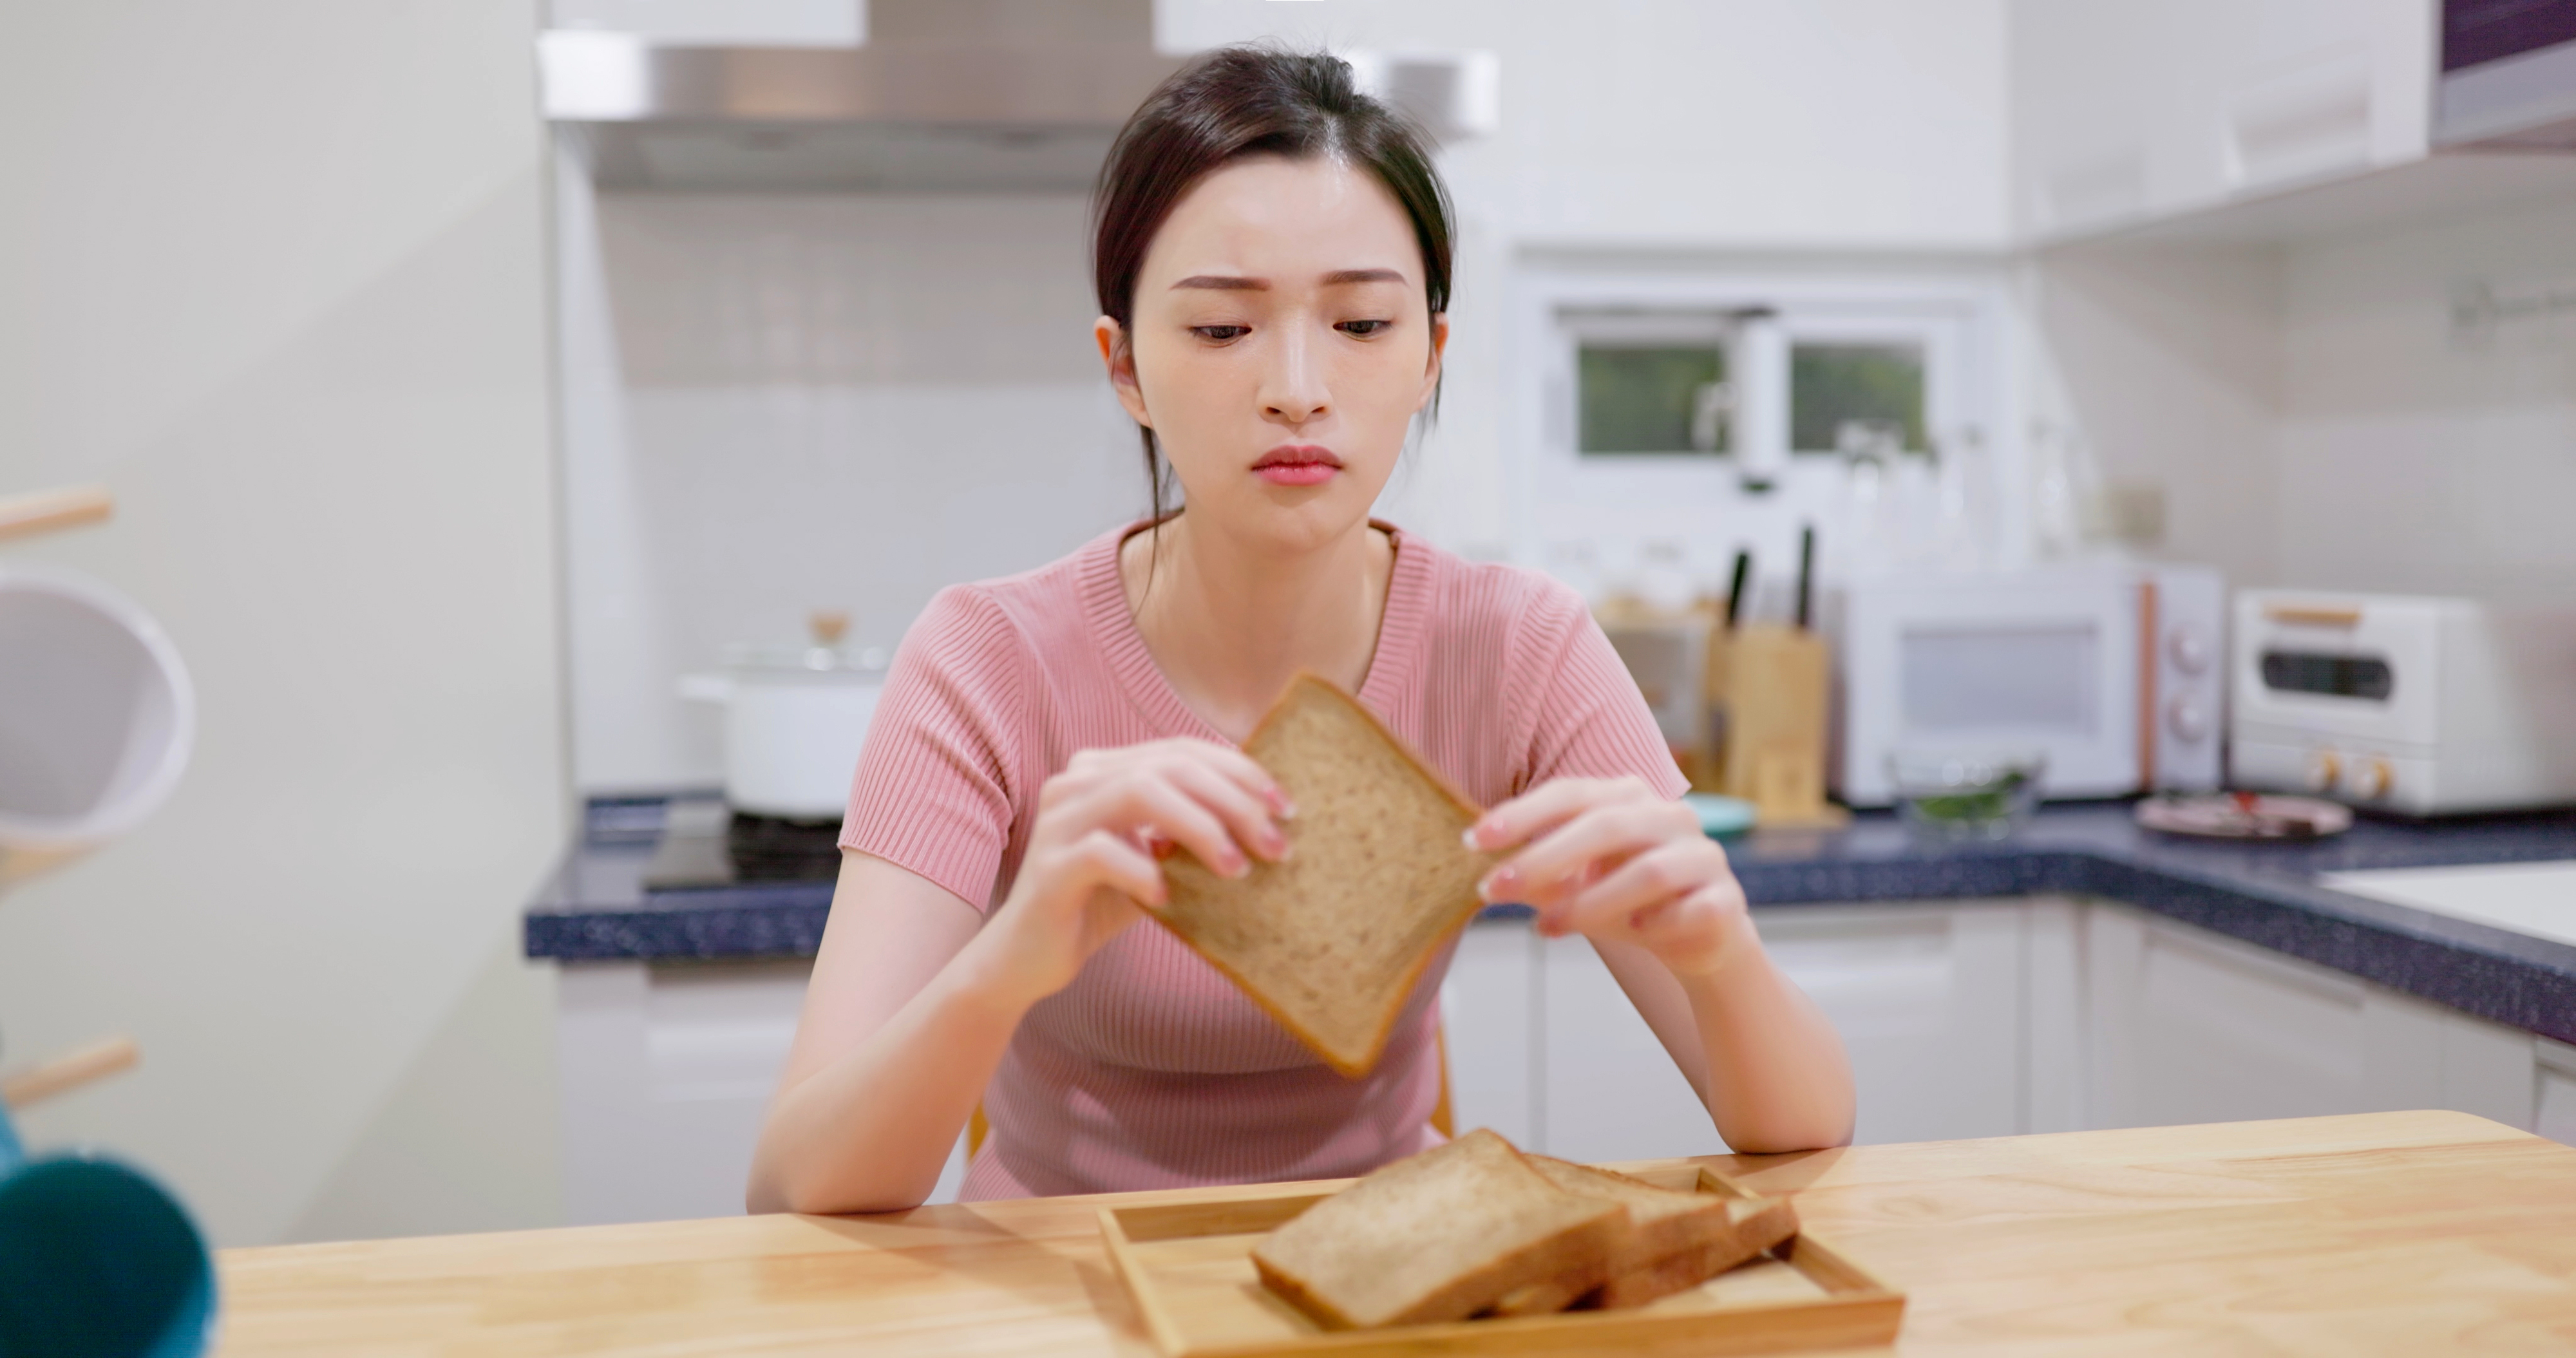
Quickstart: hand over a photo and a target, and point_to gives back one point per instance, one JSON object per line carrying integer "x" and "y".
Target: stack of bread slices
{"x": 1476, "y": 1228}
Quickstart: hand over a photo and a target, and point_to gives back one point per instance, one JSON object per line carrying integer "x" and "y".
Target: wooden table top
{"x": 2427, "y": 1232}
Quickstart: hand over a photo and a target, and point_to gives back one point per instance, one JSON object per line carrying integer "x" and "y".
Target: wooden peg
{"x": 69, "y": 1071}
{"x": 45, "y": 511}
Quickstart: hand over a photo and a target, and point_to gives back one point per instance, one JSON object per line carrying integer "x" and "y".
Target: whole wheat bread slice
{"x": 1757, "y": 1225}
{"x": 1436, "y": 1236}
{"x": 1677, "y": 1239}
{"x": 1332, "y": 939}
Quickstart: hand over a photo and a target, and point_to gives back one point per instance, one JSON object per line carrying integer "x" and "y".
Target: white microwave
{"x": 2116, "y": 671}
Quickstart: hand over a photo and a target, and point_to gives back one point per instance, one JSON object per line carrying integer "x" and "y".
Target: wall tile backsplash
{"x": 782, "y": 404}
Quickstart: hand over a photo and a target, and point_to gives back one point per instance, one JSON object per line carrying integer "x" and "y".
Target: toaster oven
{"x": 2417, "y": 705}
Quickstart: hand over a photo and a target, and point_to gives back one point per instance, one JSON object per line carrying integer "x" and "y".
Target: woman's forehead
{"x": 1283, "y": 223}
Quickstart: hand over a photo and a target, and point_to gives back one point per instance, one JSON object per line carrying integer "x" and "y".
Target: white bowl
{"x": 96, "y": 717}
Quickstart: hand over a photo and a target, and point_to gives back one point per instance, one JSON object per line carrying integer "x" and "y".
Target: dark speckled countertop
{"x": 596, "y": 907}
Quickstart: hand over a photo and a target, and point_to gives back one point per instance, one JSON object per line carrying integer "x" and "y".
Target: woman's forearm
{"x": 871, "y": 1131}
{"x": 1778, "y": 1077}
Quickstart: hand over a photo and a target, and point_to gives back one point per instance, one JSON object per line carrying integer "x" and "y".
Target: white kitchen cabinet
{"x": 1963, "y": 1019}
{"x": 2126, "y": 112}
{"x": 2185, "y": 1026}
{"x": 1607, "y": 1090}
{"x": 1929, "y": 999}
{"x": 1488, "y": 1020}
{"x": 665, "y": 1072}
{"x": 1930, "y": 1002}
{"x": 2554, "y": 1091}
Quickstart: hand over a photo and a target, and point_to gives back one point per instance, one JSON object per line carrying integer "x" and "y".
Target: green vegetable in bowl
{"x": 1994, "y": 803}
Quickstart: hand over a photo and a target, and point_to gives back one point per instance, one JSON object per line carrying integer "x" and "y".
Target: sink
{"x": 2538, "y": 899}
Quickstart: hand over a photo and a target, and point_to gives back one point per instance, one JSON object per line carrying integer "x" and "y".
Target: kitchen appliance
{"x": 795, "y": 719}
{"x": 2508, "y": 79}
{"x": 2419, "y": 705}
{"x": 940, "y": 96}
{"x": 2114, "y": 670}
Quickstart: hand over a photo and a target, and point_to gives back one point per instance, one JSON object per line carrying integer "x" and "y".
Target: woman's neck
{"x": 1229, "y": 625}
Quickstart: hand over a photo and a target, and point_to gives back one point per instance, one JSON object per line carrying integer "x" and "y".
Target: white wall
{"x": 2165, "y": 363}
{"x": 274, "y": 274}
{"x": 2312, "y": 415}
{"x": 2411, "y": 460}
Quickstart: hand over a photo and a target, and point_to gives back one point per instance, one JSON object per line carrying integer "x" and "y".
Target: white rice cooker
{"x": 795, "y": 719}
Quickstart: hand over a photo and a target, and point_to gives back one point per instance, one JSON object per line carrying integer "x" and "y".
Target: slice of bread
{"x": 1756, "y": 1224}
{"x": 1675, "y": 1234}
{"x": 1332, "y": 940}
{"x": 1436, "y": 1236}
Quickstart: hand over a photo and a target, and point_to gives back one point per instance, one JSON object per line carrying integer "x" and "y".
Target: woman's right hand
{"x": 1092, "y": 855}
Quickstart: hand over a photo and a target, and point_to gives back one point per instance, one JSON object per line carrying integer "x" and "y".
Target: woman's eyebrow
{"x": 1233, "y": 283}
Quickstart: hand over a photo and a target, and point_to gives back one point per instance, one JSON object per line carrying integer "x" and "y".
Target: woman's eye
{"x": 1362, "y": 329}
{"x": 1220, "y": 334}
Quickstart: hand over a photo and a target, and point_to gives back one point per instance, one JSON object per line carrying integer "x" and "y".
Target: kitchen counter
{"x": 596, "y": 907}
{"x": 2421, "y": 1232}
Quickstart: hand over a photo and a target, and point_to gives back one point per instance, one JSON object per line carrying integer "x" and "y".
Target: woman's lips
{"x": 1297, "y": 464}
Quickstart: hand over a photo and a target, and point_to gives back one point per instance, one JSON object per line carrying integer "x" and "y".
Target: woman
{"x": 1272, "y": 255}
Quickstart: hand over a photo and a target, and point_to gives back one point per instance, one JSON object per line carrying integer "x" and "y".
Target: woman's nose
{"x": 1293, "y": 388}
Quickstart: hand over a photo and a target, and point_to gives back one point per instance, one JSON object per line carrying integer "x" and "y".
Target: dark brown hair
{"x": 1249, "y": 101}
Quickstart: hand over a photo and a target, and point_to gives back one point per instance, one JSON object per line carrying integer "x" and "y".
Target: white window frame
{"x": 1956, "y": 310}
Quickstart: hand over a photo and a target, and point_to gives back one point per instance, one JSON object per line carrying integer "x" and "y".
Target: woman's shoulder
{"x": 1034, "y": 611}
{"x": 1494, "y": 602}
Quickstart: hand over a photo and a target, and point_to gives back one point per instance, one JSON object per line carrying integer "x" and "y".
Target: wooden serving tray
{"x": 1189, "y": 1268}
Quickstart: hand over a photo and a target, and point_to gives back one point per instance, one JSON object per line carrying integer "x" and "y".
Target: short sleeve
{"x": 1591, "y": 720}
{"x": 933, "y": 789}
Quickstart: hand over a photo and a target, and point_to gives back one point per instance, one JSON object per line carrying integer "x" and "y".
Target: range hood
{"x": 945, "y": 95}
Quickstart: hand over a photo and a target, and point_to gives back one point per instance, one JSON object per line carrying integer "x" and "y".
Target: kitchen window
{"x": 1639, "y": 389}
{"x": 1652, "y": 385}
{"x": 1696, "y": 404}
{"x": 1835, "y": 385}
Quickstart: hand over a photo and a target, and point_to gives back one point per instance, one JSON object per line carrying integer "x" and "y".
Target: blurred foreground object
{"x": 96, "y": 1260}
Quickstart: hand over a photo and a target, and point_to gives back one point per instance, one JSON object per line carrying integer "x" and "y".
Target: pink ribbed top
{"x": 1151, "y": 1070}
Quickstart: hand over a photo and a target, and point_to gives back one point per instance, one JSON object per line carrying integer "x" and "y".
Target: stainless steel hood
{"x": 945, "y": 95}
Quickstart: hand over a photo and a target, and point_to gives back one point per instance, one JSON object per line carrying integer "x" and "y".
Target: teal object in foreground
{"x": 1720, "y": 815}
{"x": 96, "y": 1261}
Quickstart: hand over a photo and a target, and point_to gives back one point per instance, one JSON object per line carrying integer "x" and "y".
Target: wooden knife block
{"x": 1778, "y": 696}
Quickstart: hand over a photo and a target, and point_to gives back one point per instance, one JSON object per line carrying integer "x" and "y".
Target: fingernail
{"x": 1236, "y": 866}
{"x": 1468, "y": 835}
{"x": 1281, "y": 807}
{"x": 1276, "y": 844}
{"x": 1497, "y": 882}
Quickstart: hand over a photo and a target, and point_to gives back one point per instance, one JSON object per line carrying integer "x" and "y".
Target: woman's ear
{"x": 1439, "y": 351}
{"x": 1119, "y": 357}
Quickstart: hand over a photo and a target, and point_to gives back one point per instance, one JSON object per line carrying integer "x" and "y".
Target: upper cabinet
{"x": 2127, "y": 113}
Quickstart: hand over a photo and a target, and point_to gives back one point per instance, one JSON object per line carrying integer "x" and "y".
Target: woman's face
{"x": 1281, "y": 344}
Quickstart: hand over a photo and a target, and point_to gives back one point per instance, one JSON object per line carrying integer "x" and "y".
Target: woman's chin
{"x": 1290, "y": 518}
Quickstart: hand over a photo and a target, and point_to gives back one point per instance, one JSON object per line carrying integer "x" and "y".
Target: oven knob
{"x": 2188, "y": 721}
{"x": 2375, "y": 779}
{"x": 2188, "y": 646}
{"x": 2325, "y": 768}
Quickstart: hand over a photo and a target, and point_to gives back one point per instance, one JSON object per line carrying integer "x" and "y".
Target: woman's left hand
{"x": 1611, "y": 859}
